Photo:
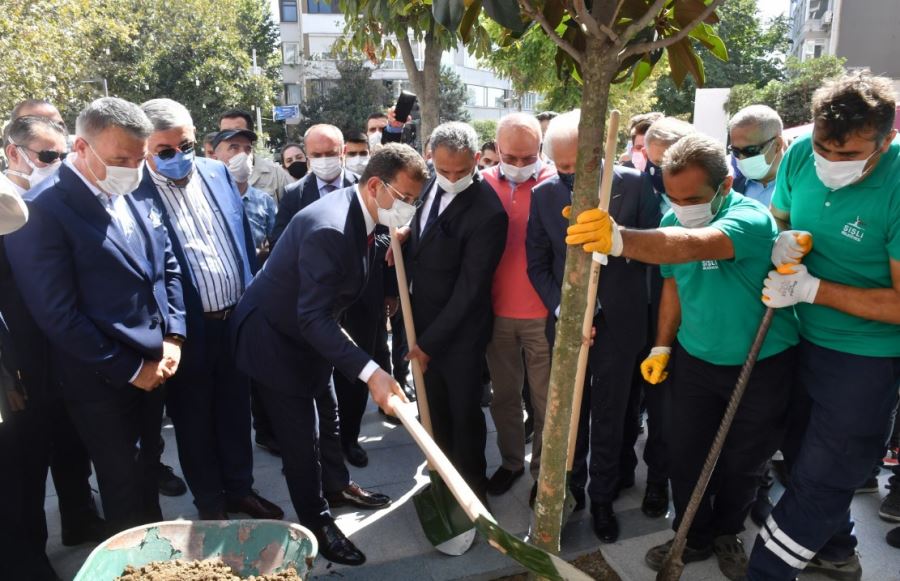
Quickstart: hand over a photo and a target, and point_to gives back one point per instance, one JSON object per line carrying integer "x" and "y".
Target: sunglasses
{"x": 169, "y": 153}
{"x": 46, "y": 156}
{"x": 750, "y": 150}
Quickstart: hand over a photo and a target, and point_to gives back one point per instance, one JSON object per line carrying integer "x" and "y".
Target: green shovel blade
{"x": 444, "y": 522}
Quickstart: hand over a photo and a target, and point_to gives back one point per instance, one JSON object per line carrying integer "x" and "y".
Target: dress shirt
{"x": 446, "y": 198}
{"x": 337, "y": 184}
{"x": 203, "y": 233}
{"x": 371, "y": 367}
{"x": 761, "y": 193}
{"x": 261, "y": 211}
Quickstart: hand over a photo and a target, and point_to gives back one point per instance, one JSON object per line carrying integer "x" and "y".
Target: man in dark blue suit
{"x": 96, "y": 270}
{"x": 621, "y": 320}
{"x": 287, "y": 331}
{"x": 209, "y": 399}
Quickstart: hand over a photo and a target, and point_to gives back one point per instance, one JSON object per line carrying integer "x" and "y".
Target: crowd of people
{"x": 138, "y": 278}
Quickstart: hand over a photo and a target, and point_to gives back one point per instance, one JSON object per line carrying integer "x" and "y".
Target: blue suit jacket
{"x": 226, "y": 202}
{"x": 623, "y": 283}
{"x": 286, "y": 324}
{"x": 103, "y": 309}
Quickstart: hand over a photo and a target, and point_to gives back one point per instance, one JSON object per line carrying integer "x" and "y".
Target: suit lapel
{"x": 417, "y": 219}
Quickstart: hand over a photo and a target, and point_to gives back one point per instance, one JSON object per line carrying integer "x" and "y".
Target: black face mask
{"x": 568, "y": 179}
{"x": 297, "y": 169}
{"x": 655, "y": 173}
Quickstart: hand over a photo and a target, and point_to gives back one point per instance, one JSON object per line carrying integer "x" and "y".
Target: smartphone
{"x": 404, "y": 106}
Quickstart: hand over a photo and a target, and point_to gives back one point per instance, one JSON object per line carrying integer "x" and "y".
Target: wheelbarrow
{"x": 249, "y": 547}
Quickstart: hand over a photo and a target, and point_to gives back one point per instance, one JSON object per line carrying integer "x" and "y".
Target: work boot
{"x": 848, "y": 570}
{"x": 656, "y": 556}
{"x": 732, "y": 557}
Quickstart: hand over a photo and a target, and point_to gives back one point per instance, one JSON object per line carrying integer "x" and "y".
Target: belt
{"x": 219, "y": 315}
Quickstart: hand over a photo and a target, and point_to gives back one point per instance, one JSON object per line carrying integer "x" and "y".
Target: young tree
{"x": 348, "y": 103}
{"x": 453, "y": 97}
{"x": 599, "y": 42}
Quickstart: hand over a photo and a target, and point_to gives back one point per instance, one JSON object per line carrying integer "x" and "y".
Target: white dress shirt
{"x": 446, "y": 198}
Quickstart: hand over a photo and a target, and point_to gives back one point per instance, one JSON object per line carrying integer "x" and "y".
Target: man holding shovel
{"x": 714, "y": 247}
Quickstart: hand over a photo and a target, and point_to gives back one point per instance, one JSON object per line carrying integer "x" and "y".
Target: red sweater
{"x": 512, "y": 294}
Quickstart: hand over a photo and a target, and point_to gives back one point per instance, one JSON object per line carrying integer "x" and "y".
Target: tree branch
{"x": 646, "y": 47}
{"x": 641, "y": 23}
{"x": 529, "y": 9}
{"x": 612, "y": 21}
{"x": 595, "y": 27}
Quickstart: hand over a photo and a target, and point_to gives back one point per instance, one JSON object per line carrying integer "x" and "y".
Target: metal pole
{"x": 105, "y": 89}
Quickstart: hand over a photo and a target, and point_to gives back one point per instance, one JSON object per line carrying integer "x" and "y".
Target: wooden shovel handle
{"x": 612, "y": 131}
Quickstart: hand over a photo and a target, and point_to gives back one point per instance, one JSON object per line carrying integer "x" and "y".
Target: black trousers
{"x": 603, "y": 412}
{"x": 112, "y": 429}
{"x": 700, "y": 394}
{"x": 399, "y": 348}
{"x": 352, "y": 394}
{"x": 209, "y": 403}
{"x": 261, "y": 422}
{"x": 296, "y": 427}
{"x": 335, "y": 476}
{"x": 454, "y": 398}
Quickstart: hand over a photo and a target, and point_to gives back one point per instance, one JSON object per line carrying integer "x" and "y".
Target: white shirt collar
{"x": 94, "y": 189}
{"x": 370, "y": 222}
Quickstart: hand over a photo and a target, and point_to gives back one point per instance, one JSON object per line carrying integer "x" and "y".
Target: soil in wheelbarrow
{"x": 208, "y": 570}
{"x": 593, "y": 564}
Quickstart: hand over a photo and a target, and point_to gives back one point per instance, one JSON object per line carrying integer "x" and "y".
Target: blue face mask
{"x": 568, "y": 179}
{"x": 176, "y": 167}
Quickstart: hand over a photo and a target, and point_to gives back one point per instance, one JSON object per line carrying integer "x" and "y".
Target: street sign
{"x": 284, "y": 112}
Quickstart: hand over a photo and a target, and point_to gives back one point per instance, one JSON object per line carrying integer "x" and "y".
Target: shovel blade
{"x": 443, "y": 521}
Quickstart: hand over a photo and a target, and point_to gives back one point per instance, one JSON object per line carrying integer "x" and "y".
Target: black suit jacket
{"x": 286, "y": 324}
{"x": 622, "y": 293}
{"x": 451, "y": 267}
{"x": 299, "y": 195}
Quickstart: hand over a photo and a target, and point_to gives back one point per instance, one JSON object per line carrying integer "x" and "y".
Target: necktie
{"x": 329, "y": 188}
{"x": 435, "y": 209}
{"x": 121, "y": 215}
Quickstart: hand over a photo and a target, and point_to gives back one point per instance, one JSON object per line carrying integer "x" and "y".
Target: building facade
{"x": 309, "y": 29}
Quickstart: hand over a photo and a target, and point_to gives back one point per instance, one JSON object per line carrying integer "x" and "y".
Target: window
{"x": 289, "y": 10}
{"x": 291, "y": 53}
{"x": 497, "y": 98}
{"x": 322, "y": 7}
{"x": 316, "y": 87}
{"x": 477, "y": 96}
{"x": 293, "y": 94}
{"x": 321, "y": 46}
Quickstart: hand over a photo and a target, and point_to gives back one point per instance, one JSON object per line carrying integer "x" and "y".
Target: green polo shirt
{"x": 721, "y": 305}
{"x": 856, "y": 232}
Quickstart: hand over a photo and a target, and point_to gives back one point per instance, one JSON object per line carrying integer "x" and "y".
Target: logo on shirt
{"x": 854, "y": 230}
{"x": 710, "y": 265}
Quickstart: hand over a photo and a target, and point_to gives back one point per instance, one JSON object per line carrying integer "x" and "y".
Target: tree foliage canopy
{"x": 349, "y": 101}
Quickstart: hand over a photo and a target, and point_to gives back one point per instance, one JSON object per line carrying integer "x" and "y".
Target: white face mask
{"x": 240, "y": 166}
{"x": 374, "y": 139}
{"x": 398, "y": 215}
{"x": 119, "y": 180}
{"x": 38, "y": 174}
{"x": 839, "y": 174}
{"x": 698, "y": 215}
{"x": 519, "y": 174}
{"x": 356, "y": 163}
{"x": 639, "y": 160}
{"x": 756, "y": 167}
{"x": 325, "y": 168}
{"x": 454, "y": 187}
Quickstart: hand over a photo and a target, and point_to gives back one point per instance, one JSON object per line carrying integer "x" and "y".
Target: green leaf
{"x": 642, "y": 70}
{"x": 685, "y": 11}
{"x": 449, "y": 13}
{"x": 506, "y": 13}
{"x": 708, "y": 37}
{"x": 468, "y": 21}
{"x": 683, "y": 61}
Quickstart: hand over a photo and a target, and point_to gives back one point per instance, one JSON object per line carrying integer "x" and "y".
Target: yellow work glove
{"x": 653, "y": 368}
{"x": 595, "y": 231}
{"x": 789, "y": 249}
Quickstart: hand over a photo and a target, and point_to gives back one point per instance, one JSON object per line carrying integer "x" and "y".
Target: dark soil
{"x": 208, "y": 570}
{"x": 593, "y": 564}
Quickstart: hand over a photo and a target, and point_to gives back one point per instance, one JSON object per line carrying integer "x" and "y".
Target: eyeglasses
{"x": 47, "y": 155}
{"x": 170, "y": 152}
{"x": 414, "y": 202}
{"x": 750, "y": 150}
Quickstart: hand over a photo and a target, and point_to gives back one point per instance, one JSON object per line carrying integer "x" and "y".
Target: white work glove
{"x": 785, "y": 290}
{"x": 790, "y": 247}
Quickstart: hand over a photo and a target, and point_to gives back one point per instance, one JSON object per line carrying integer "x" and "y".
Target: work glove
{"x": 595, "y": 231}
{"x": 784, "y": 290}
{"x": 653, "y": 368}
{"x": 790, "y": 248}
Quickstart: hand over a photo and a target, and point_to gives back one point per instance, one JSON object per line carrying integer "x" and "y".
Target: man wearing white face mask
{"x": 758, "y": 148}
{"x": 35, "y": 146}
{"x": 96, "y": 270}
{"x": 356, "y": 153}
{"x": 325, "y": 155}
{"x": 714, "y": 247}
{"x": 842, "y": 186}
{"x": 458, "y": 237}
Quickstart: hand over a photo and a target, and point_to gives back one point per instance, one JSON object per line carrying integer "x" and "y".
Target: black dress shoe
{"x": 656, "y": 500}
{"x": 268, "y": 443}
{"x": 336, "y": 547}
{"x": 216, "y": 514}
{"x": 606, "y": 526}
{"x": 502, "y": 480}
{"x": 356, "y": 456}
{"x": 90, "y": 529}
{"x": 169, "y": 483}
{"x": 256, "y": 506}
{"x": 359, "y": 497}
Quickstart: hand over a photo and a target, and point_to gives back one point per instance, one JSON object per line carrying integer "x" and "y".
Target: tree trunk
{"x": 425, "y": 82}
{"x": 599, "y": 68}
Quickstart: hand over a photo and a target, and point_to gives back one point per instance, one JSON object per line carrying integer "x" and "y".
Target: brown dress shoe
{"x": 256, "y": 506}
{"x": 359, "y": 497}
